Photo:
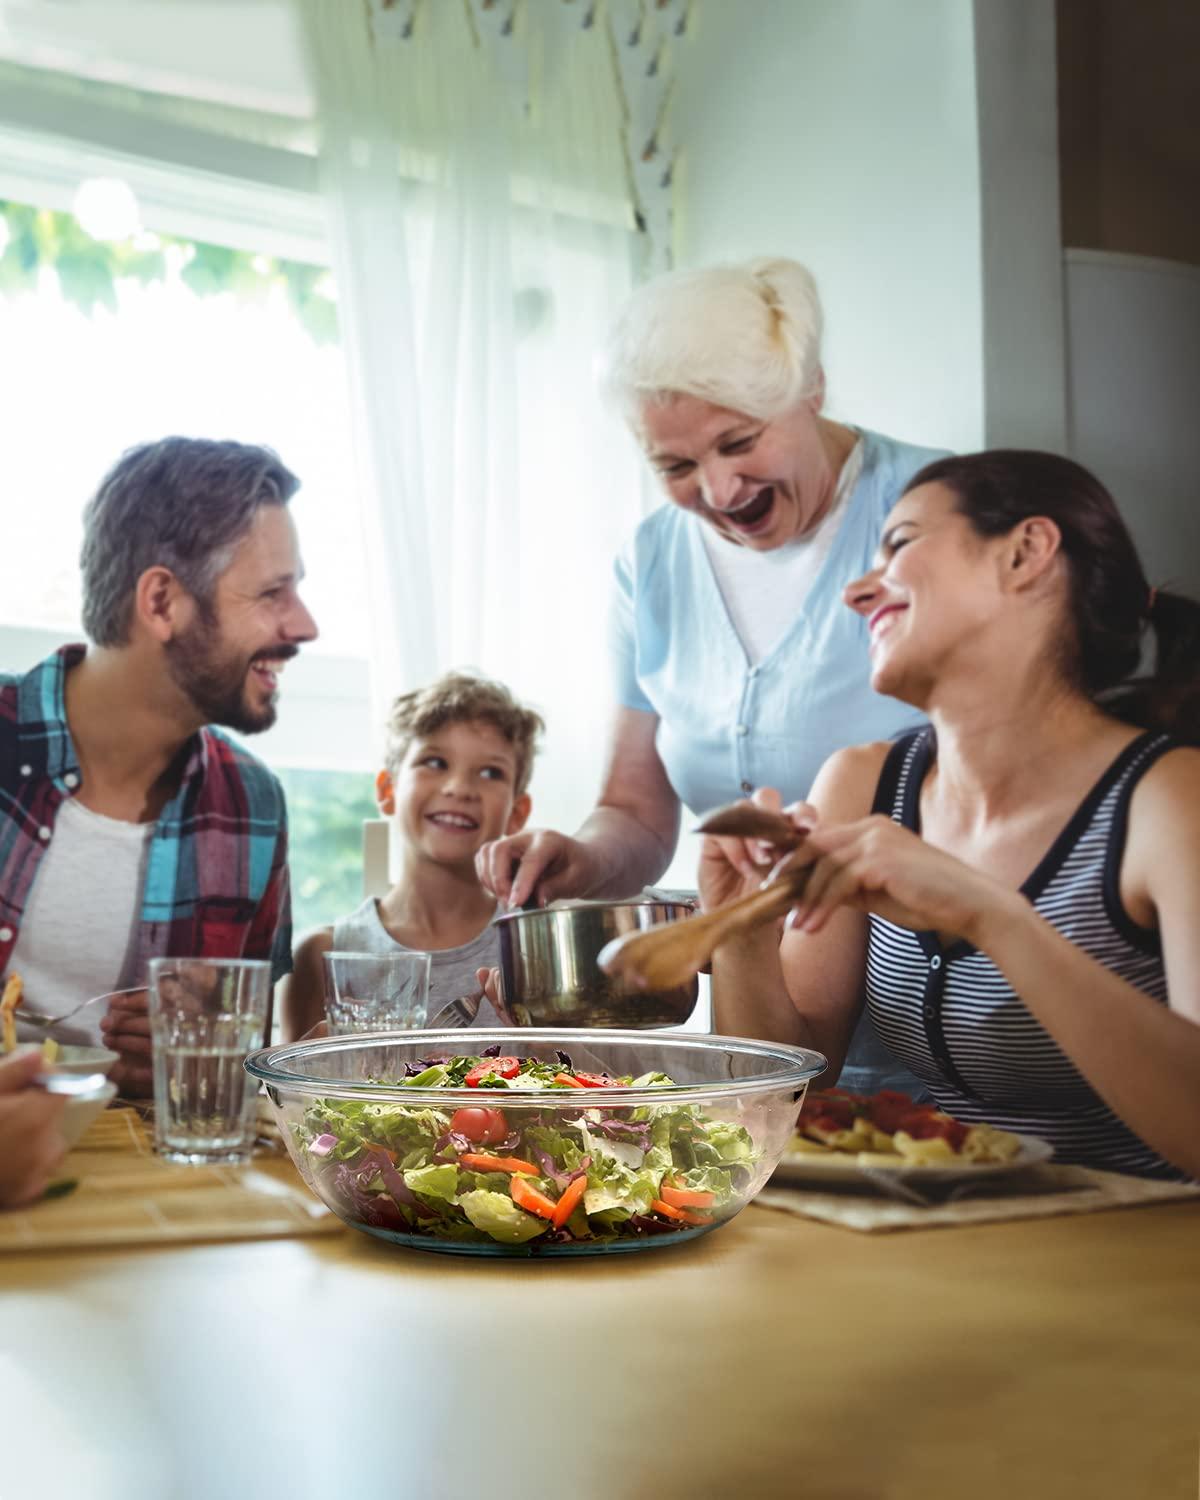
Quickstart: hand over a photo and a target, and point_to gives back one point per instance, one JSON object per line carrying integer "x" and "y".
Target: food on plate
{"x": 516, "y": 1173}
{"x": 888, "y": 1129}
{"x": 13, "y": 991}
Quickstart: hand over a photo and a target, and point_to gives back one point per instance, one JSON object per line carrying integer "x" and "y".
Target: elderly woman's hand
{"x": 734, "y": 867}
{"x": 31, "y": 1143}
{"x": 537, "y": 862}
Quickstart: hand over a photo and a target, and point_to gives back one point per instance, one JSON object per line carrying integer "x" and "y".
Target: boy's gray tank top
{"x": 451, "y": 971}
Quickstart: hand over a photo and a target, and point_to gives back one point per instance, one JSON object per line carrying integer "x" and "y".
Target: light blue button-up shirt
{"x": 727, "y": 728}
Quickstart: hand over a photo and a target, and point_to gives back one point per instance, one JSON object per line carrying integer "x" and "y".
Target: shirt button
{"x": 6, "y": 934}
{"x": 747, "y": 787}
{"x": 26, "y": 770}
{"x": 935, "y": 962}
{"x": 43, "y": 834}
{"x": 71, "y": 780}
{"x": 742, "y": 730}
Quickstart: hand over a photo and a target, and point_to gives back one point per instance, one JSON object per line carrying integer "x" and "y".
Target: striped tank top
{"x": 949, "y": 1013}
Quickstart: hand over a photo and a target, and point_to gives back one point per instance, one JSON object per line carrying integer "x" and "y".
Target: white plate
{"x": 841, "y": 1167}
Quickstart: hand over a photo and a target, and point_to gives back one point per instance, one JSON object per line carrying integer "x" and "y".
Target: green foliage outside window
{"x": 88, "y": 270}
{"x": 325, "y": 817}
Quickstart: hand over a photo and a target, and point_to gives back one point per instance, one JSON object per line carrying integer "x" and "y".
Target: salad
{"x": 524, "y": 1174}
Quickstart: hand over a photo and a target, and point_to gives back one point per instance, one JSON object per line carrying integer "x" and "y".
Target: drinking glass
{"x": 206, "y": 1015}
{"x": 376, "y": 991}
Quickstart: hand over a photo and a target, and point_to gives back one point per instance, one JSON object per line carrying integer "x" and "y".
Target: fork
{"x": 38, "y": 1018}
{"x": 890, "y": 1185}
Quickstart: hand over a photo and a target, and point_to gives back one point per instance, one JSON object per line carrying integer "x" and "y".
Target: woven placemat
{"x": 1037, "y": 1193}
{"x": 124, "y": 1195}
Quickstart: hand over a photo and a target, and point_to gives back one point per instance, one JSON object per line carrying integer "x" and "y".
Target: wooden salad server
{"x": 669, "y": 953}
{"x": 746, "y": 820}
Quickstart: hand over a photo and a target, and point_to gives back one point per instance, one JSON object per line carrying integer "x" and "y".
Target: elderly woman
{"x": 1018, "y": 885}
{"x": 736, "y": 666}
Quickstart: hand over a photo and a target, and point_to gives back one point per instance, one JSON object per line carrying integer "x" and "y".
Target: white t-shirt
{"x": 763, "y": 591}
{"x": 77, "y": 933}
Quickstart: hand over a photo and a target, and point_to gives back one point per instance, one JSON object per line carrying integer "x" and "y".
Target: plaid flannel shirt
{"x": 216, "y": 881}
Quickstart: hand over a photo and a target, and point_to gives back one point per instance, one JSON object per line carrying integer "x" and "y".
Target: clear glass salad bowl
{"x": 529, "y": 1142}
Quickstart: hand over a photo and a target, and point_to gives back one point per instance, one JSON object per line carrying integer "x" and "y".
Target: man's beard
{"x": 215, "y": 678}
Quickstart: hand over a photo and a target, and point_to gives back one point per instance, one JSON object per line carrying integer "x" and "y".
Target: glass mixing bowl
{"x": 384, "y": 1129}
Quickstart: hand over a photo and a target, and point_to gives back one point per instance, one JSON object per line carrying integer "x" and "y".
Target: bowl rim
{"x": 270, "y": 1065}
{"x": 567, "y": 908}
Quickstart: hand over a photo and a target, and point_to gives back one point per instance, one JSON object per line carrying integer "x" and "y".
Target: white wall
{"x": 844, "y": 133}
{"x": 1133, "y": 331}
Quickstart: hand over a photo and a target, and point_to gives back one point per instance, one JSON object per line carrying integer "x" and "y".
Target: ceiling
{"x": 236, "y": 52}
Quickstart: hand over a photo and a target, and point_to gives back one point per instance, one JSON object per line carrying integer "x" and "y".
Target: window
{"x": 104, "y": 344}
{"x": 325, "y": 817}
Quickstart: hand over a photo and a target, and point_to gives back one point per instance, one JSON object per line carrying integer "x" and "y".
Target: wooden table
{"x": 776, "y": 1357}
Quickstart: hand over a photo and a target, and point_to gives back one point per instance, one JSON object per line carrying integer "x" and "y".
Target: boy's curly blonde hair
{"x": 463, "y": 697}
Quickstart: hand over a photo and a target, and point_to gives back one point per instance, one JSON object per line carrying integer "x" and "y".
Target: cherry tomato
{"x": 826, "y": 1105}
{"x": 484, "y": 1126}
{"x": 594, "y": 1080}
{"x": 502, "y": 1067}
{"x": 887, "y": 1108}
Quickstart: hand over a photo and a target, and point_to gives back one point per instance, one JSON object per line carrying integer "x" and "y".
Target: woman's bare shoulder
{"x": 846, "y": 783}
{"x": 1170, "y": 789}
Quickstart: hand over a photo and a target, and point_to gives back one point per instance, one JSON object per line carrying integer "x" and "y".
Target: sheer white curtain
{"x": 482, "y": 241}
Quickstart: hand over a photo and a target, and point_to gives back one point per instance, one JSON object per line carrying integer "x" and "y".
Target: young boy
{"x": 458, "y": 761}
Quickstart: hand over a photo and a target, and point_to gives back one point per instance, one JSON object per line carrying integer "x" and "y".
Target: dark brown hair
{"x": 458, "y": 698}
{"x": 180, "y": 503}
{"x": 1111, "y": 601}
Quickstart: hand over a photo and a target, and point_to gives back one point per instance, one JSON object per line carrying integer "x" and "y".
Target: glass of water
{"x": 376, "y": 991}
{"x": 206, "y": 1015}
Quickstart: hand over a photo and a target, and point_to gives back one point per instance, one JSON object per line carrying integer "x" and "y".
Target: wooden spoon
{"x": 746, "y": 820}
{"x": 669, "y": 953}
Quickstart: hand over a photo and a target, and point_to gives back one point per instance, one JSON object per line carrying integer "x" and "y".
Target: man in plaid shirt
{"x": 129, "y": 827}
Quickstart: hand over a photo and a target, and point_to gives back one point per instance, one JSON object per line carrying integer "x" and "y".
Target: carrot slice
{"x": 659, "y": 1207}
{"x": 479, "y": 1161}
{"x": 685, "y": 1197}
{"x": 691, "y": 1218}
{"x": 568, "y": 1081}
{"x": 526, "y": 1196}
{"x": 571, "y": 1195}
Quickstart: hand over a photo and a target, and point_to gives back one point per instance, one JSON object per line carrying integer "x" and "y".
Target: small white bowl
{"x": 82, "y": 1109}
{"x": 83, "y": 1060}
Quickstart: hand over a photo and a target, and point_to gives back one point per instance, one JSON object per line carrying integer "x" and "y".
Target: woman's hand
{"x": 877, "y": 866}
{"x": 125, "y": 1027}
{"x": 733, "y": 867}
{"x": 31, "y": 1143}
{"x": 537, "y": 862}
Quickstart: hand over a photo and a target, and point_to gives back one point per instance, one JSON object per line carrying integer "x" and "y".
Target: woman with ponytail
{"x": 734, "y": 664}
{"x": 1015, "y": 888}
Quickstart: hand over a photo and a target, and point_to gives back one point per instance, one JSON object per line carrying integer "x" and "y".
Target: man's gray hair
{"x": 180, "y": 503}
{"x": 746, "y": 337}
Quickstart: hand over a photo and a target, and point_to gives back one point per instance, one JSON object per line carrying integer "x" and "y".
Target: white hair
{"x": 746, "y": 337}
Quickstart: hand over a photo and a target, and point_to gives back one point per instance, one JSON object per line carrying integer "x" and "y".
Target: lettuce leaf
{"x": 497, "y": 1215}
{"x": 439, "y": 1182}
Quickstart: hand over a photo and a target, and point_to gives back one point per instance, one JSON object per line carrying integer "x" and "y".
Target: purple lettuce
{"x": 634, "y": 1131}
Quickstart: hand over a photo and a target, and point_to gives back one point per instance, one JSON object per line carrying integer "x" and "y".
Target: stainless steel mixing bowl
{"x": 549, "y": 975}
